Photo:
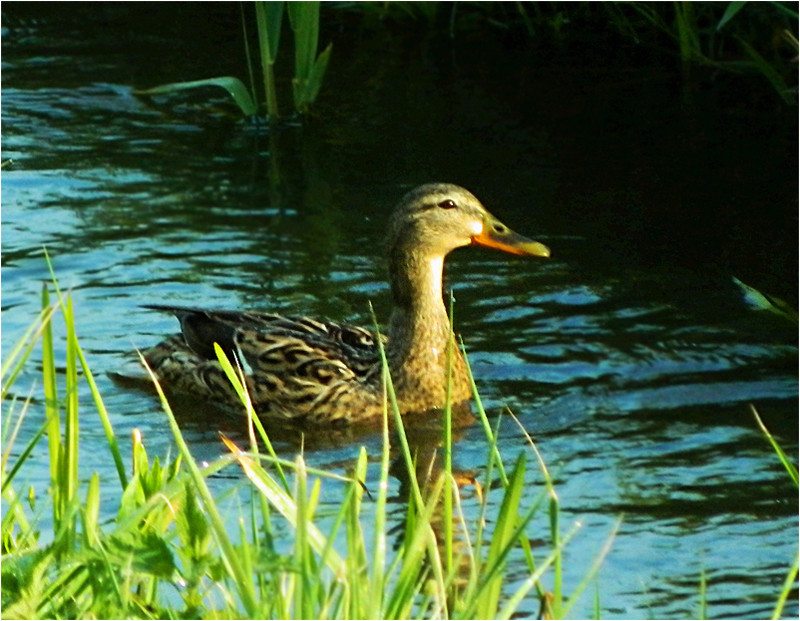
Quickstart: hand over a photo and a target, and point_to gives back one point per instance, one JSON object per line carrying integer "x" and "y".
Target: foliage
{"x": 791, "y": 470}
{"x": 235, "y": 87}
{"x": 309, "y": 68}
{"x": 761, "y": 301}
{"x": 726, "y": 36}
{"x": 757, "y": 38}
{"x": 169, "y": 536}
{"x": 738, "y": 37}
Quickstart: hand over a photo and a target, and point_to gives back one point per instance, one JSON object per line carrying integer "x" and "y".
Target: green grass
{"x": 736, "y": 37}
{"x": 171, "y": 552}
{"x": 758, "y": 38}
{"x": 169, "y": 535}
{"x": 309, "y": 67}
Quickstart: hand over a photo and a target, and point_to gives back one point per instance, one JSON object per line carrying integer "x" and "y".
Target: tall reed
{"x": 309, "y": 67}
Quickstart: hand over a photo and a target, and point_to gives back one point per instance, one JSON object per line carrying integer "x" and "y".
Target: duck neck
{"x": 419, "y": 328}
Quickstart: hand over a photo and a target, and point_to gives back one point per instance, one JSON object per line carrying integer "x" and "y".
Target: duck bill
{"x": 497, "y": 235}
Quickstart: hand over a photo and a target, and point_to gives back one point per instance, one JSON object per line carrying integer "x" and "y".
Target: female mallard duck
{"x": 326, "y": 372}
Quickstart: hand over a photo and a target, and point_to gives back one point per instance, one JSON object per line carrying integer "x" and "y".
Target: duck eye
{"x": 447, "y": 204}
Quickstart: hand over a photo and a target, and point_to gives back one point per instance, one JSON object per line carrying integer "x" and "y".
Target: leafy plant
{"x": 704, "y": 32}
{"x": 761, "y": 301}
{"x": 309, "y": 68}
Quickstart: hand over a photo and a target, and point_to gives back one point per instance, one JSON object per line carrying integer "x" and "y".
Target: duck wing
{"x": 232, "y": 330}
{"x": 296, "y": 367}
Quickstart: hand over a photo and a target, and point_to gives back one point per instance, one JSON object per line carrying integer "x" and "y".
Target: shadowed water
{"x": 631, "y": 356}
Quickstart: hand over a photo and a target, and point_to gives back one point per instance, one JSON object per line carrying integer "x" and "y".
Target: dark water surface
{"x": 631, "y": 355}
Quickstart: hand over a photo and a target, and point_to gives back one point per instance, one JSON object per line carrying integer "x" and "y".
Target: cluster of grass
{"x": 169, "y": 552}
{"x": 309, "y": 67}
{"x": 740, "y": 37}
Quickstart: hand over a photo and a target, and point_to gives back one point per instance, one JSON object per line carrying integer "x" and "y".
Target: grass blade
{"x": 69, "y": 474}
{"x": 788, "y": 587}
{"x": 598, "y": 561}
{"x": 790, "y": 468}
{"x": 111, "y": 437}
{"x": 243, "y": 580}
{"x": 269, "y": 17}
{"x": 762, "y": 301}
{"x": 513, "y": 602}
{"x": 769, "y": 72}
{"x": 730, "y": 11}
{"x": 235, "y": 87}
{"x": 376, "y": 597}
{"x": 11, "y": 367}
{"x": 23, "y": 456}
{"x": 51, "y": 411}
{"x": 409, "y": 464}
{"x": 506, "y": 521}
{"x": 237, "y": 380}
{"x": 284, "y": 503}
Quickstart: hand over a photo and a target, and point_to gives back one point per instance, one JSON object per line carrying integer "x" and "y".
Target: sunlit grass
{"x": 170, "y": 536}
{"x": 171, "y": 550}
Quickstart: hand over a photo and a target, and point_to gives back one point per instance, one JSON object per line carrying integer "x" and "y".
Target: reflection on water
{"x": 630, "y": 355}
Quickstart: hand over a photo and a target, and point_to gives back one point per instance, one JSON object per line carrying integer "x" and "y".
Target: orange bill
{"x": 495, "y": 234}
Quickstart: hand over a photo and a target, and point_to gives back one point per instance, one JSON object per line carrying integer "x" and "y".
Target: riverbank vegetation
{"x": 170, "y": 550}
{"x": 756, "y": 39}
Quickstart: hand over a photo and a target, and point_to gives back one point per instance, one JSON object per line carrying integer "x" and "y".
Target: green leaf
{"x": 104, "y": 417}
{"x": 506, "y": 522}
{"x": 304, "y": 18}
{"x": 242, "y": 581}
{"x": 769, "y": 72}
{"x": 788, "y": 586}
{"x": 269, "y": 17}
{"x": 11, "y": 367}
{"x": 285, "y": 504}
{"x": 309, "y": 69}
{"x": 91, "y": 511}
{"x": 22, "y": 580}
{"x": 790, "y": 468}
{"x": 192, "y": 526}
{"x": 732, "y": 9}
{"x": 785, "y": 9}
{"x": 23, "y": 456}
{"x": 146, "y": 552}
{"x": 234, "y": 86}
{"x": 762, "y": 301}
{"x": 306, "y": 90}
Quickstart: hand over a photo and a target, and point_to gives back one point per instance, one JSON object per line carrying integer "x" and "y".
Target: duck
{"x": 314, "y": 371}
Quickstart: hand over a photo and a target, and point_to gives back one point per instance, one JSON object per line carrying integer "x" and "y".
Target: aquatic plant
{"x": 309, "y": 68}
{"x": 710, "y": 33}
{"x": 736, "y": 37}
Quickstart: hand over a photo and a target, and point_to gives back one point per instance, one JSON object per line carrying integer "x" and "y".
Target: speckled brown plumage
{"x": 325, "y": 372}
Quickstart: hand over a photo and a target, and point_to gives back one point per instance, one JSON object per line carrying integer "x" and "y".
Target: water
{"x": 631, "y": 355}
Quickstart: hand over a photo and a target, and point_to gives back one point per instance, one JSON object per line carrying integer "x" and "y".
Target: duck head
{"x": 435, "y": 218}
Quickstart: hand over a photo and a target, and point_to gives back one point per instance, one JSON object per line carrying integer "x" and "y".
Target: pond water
{"x": 631, "y": 355}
